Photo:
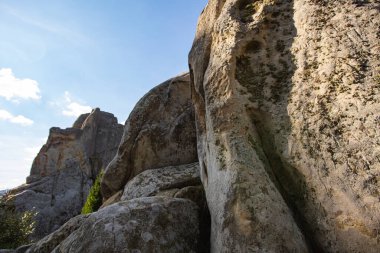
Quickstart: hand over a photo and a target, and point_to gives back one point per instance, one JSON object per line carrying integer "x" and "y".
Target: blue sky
{"x": 61, "y": 58}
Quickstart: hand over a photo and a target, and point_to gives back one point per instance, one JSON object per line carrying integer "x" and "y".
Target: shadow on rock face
{"x": 276, "y": 126}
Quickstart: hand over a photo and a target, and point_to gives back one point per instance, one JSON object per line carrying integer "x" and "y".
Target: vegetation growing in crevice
{"x": 15, "y": 227}
{"x": 94, "y": 198}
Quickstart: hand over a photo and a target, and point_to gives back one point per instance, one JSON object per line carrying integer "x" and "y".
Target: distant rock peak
{"x": 65, "y": 168}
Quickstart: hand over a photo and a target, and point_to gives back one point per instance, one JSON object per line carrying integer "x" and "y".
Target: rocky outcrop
{"x": 157, "y": 181}
{"x": 286, "y": 101}
{"x": 154, "y": 224}
{"x": 65, "y": 169}
{"x": 160, "y": 205}
{"x": 159, "y": 132}
{"x": 174, "y": 218}
{"x": 286, "y": 97}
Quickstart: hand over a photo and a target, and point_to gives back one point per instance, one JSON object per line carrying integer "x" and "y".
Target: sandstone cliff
{"x": 287, "y": 106}
{"x": 65, "y": 169}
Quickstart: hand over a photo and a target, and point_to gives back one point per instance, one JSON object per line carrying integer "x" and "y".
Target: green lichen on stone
{"x": 248, "y": 8}
{"x": 253, "y": 81}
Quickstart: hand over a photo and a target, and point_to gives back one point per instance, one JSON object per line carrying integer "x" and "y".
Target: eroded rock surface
{"x": 181, "y": 181}
{"x": 286, "y": 95}
{"x": 65, "y": 169}
{"x": 159, "y": 132}
{"x": 153, "y": 182}
{"x": 153, "y": 224}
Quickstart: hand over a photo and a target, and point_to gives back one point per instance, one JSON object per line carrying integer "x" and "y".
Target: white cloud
{"x": 16, "y": 157}
{"x": 72, "y": 108}
{"x": 4, "y": 115}
{"x": 13, "y": 88}
{"x": 19, "y": 119}
{"x": 31, "y": 152}
{"x": 75, "y": 109}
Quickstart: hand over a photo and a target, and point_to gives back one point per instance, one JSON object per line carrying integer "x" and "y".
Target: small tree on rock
{"x": 15, "y": 227}
{"x": 94, "y": 198}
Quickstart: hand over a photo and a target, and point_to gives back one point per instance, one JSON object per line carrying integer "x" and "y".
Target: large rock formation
{"x": 157, "y": 213}
{"x": 158, "y": 202}
{"x": 65, "y": 169}
{"x": 286, "y": 99}
{"x": 159, "y": 132}
{"x": 154, "y": 224}
{"x": 286, "y": 95}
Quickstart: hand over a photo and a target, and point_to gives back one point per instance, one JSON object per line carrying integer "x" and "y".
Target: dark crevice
{"x": 53, "y": 188}
{"x": 264, "y": 69}
{"x": 289, "y": 182}
{"x": 204, "y": 173}
{"x": 204, "y": 228}
{"x": 182, "y": 184}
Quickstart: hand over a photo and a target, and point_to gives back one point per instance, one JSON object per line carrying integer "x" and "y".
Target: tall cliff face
{"x": 286, "y": 95}
{"x": 159, "y": 132}
{"x": 65, "y": 169}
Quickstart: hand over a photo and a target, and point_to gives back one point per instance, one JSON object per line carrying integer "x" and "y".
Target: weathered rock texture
{"x": 152, "y": 182}
{"x": 51, "y": 241}
{"x": 65, "y": 169}
{"x": 153, "y": 224}
{"x": 286, "y": 95}
{"x": 181, "y": 181}
{"x": 159, "y": 132}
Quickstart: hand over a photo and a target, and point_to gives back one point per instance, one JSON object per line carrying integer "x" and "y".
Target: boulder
{"x": 180, "y": 181}
{"x": 286, "y": 97}
{"x": 153, "y": 224}
{"x": 65, "y": 168}
{"x": 49, "y": 242}
{"x": 154, "y": 182}
{"x": 159, "y": 132}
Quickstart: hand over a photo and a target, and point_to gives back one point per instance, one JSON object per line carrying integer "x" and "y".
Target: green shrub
{"x": 15, "y": 227}
{"x": 94, "y": 198}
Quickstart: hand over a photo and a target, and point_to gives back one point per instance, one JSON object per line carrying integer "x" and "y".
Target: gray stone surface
{"x": 65, "y": 168}
{"x": 51, "y": 241}
{"x": 153, "y": 224}
{"x": 159, "y": 132}
{"x": 152, "y": 182}
{"x": 286, "y": 97}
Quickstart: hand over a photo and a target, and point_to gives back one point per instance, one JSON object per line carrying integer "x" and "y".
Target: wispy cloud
{"x": 19, "y": 119}
{"x": 68, "y": 33}
{"x": 13, "y": 88}
{"x": 74, "y": 108}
